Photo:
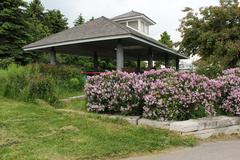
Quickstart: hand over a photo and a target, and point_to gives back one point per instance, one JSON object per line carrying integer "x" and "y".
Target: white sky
{"x": 166, "y": 13}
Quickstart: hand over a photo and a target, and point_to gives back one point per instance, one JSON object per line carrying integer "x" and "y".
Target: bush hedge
{"x": 42, "y": 87}
{"x": 164, "y": 94}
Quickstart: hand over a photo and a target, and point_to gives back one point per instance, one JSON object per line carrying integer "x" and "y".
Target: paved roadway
{"x": 222, "y": 150}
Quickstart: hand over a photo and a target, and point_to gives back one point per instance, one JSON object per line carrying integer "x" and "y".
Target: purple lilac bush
{"x": 115, "y": 92}
{"x": 180, "y": 96}
{"x": 164, "y": 94}
{"x": 232, "y": 103}
{"x": 230, "y": 91}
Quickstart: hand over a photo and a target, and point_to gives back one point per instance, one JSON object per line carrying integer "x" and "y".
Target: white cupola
{"x": 135, "y": 20}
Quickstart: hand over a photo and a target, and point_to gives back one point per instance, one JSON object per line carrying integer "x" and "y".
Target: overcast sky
{"x": 166, "y": 13}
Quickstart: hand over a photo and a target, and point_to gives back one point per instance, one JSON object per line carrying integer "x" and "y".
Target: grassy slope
{"x": 38, "y": 131}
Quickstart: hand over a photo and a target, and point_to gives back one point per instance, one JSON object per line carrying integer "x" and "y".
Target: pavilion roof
{"x": 97, "y": 30}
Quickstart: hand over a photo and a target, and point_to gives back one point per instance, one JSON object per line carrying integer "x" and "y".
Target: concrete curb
{"x": 202, "y": 127}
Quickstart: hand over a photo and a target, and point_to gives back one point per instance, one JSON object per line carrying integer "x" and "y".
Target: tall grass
{"x": 39, "y": 82}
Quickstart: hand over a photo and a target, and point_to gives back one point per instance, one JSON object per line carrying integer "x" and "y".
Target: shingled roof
{"x": 132, "y": 14}
{"x": 100, "y": 27}
{"x": 92, "y": 31}
{"x": 128, "y": 14}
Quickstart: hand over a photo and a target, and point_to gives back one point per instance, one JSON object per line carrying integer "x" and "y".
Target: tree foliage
{"x": 23, "y": 23}
{"x": 91, "y": 19}
{"x": 13, "y": 30}
{"x": 35, "y": 10}
{"x": 213, "y": 34}
{"x": 37, "y": 29}
{"x": 165, "y": 38}
{"x": 55, "y": 21}
{"x": 80, "y": 20}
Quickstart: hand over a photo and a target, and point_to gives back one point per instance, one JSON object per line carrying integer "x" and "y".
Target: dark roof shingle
{"x": 99, "y": 28}
{"x": 128, "y": 14}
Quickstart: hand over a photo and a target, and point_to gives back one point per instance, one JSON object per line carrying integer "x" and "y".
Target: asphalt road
{"x": 222, "y": 150}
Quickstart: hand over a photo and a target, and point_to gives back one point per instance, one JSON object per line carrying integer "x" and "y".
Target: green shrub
{"x": 13, "y": 80}
{"x": 68, "y": 78}
{"x": 42, "y": 87}
{"x": 74, "y": 83}
{"x": 4, "y": 63}
{"x": 14, "y": 86}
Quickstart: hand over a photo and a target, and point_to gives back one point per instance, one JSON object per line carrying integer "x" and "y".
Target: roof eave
{"x": 159, "y": 46}
{"x": 31, "y": 48}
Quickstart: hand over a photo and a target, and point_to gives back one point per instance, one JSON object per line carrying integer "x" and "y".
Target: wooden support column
{"x": 120, "y": 56}
{"x": 167, "y": 65}
{"x": 138, "y": 64}
{"x": 53, "y": 59}
{"x": 150, "y": 58}
{"x": 95, "y": 61}
{"x": 177, "y": 64}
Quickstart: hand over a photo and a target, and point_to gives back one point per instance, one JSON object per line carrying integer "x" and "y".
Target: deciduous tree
{"x": 213, "y": 34}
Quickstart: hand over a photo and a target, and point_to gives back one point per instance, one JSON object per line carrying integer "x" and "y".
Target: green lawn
{"x": 63, "y": 93}
{"x": 38, "y": 131}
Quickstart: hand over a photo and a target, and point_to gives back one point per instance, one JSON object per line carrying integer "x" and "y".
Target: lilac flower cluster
{"x": 230, "y": 91}
{"x": 115, "y": 92}
{"x": 232, "y": 71}
{"x": 180, "y": 95}
{"x": 164, "y": 94}
{"x": 232, "y": 103}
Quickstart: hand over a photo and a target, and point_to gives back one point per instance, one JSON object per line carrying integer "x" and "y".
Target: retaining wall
{"x": 202, "y": 128}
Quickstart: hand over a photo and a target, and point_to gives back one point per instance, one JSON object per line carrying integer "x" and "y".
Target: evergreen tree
{"x": 13, "y": 30}
{"x": 35, "y": 16}
{"x": 35, "y": 10}
{"x": 166, "y": 39}
{"x": 55, "y": 21}
{"x": 80, "y": 20}
{"x": 91, "y": 19}
{"x": 37, "y": 29}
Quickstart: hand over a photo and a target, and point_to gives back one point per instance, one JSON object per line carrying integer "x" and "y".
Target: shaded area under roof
{"x": 102, "y": 35}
